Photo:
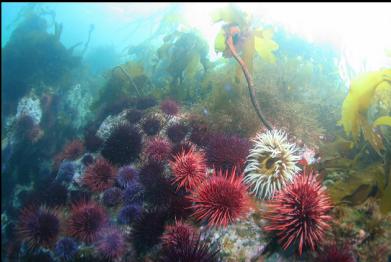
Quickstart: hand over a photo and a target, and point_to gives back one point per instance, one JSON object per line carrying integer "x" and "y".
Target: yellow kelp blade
{"x": 356, "y": 104}
{"x": 220, "y": 42}
{"x": 230, "y": 14}
{"x": 382, "y": 121}
{"x": 265, "y": 46}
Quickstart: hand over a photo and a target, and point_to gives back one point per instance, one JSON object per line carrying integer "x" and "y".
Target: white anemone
{"x": 271, "y": 163}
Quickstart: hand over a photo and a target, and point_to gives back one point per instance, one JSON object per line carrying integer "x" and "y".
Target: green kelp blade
{"x": 358, "y": 185}
{"x": 385, "y": 201}
{"x": 382, "y": 121}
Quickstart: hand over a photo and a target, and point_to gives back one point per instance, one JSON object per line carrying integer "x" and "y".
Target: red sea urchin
{"x": 170, "y": 107}
{"x": 189, "y": 169}
{"x": 221, "y": 199}
{"x": 39, "y": 226}
{"x": 86, "y": 220}
{"x": 334, "y": 253}
{"x": 99, "y": 176}
{"x": 225, "y": 152}
{"x": 182, "y": 243}
{"x": 298, "y": 212}
{"x": 177, "y": 233}
{"x": 158, "y": 149}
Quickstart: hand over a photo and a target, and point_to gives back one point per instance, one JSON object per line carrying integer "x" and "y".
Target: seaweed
{"x": 356, "y": 105}
{"x": 33, "y": 58}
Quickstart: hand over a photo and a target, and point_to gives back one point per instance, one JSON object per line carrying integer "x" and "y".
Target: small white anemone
{"x": 271, "y": 163}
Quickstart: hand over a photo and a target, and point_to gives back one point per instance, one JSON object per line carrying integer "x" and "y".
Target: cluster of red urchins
{"x": 298, "y": 213}
{"x": 219, "y": 199}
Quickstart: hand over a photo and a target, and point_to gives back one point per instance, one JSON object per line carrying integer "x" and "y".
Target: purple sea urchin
{"x": 157, "y": 188}
{"x": 334, "y": 253}
{"x": 127, "y": 176}
{"x": 147, "y": 230}
{"x": 151, "y": 126}
{"x": 112, "y": 197}
{"x": 65, "y": 172}
{"x": 39, "y": 226}
{"x": 174, "y": 234}
{"x": 128, "y": 214}
{"x": 123, "y": 145}
{"x": 111, "y": 243}
{"x": 66, "y": 249}
{"x": 134, "y": 194}
{"x": 177, "y": 132}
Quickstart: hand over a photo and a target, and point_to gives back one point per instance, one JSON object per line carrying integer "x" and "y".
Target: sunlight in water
{"x": 362, "y": 42}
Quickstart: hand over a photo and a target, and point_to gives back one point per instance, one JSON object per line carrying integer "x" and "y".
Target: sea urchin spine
{"x": 221, "y": 199}
{"x": 99, "y": 176}
{"x": 299, "y": 213}
{"x": 86, "y": 220}
{"x": 39, "y": 226}
{"x": 189, "y": 169}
